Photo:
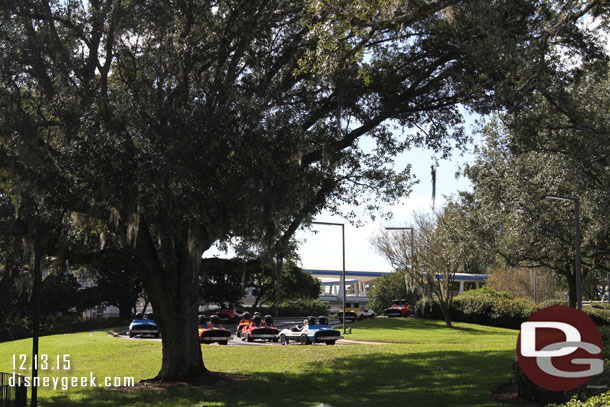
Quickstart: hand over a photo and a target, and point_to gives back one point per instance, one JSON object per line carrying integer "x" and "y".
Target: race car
{"x": 311, "y": 332}
{"x": 399, "y": 308}
{"x": 260, "y": 329}
{"x": 210, "y": 330}
{"x": 143, "y": 325}
{"x": 246, "y": 319}
{"x": 353, "y": 312}
{"x": 230, "y": 313}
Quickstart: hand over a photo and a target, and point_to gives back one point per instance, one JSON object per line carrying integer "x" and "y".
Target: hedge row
{"x": 603, "y": 400}
{"x": 487, "y": 307}
{"x": 58, "y": 324}
{"x": 298, "y": 307}
{"x": 527, "y": 390}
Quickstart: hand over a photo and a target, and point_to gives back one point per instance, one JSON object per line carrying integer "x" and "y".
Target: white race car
{"x": 311, "y": 332}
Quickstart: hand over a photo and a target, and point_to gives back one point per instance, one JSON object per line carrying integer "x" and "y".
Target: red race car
{"x": 244, "y": 323}
{"x": 260, "y": 329}
{"x": 230, "y": 313}
{"x": 399, "y": 308}
{"x": 211, "y": 330}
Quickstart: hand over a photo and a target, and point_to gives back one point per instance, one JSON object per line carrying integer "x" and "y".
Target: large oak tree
{"x": 560, "y": 145}
{"x": 154, "y": 129}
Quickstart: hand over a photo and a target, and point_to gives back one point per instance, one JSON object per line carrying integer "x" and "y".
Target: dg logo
{"x": 560, "y": 348}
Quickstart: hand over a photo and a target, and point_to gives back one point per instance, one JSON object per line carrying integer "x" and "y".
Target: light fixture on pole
{"x": 20, "y": 229}
{"x": 576, "y": 244}
{"x": 343, "y": 251}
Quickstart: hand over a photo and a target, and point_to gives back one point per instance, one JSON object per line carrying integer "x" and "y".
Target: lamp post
{"x": 535, "y": 293}
{"x": 576, "y": 244}
{"x": 20, "y": 229}
{"x": 343, "y": 273}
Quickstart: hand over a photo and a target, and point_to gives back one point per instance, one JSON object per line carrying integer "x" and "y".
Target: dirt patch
{"x": 207, "y": 380}
{"x": 507, "y": 394}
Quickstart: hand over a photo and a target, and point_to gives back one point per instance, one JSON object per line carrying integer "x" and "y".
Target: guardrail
{"x": 13, "y": 392}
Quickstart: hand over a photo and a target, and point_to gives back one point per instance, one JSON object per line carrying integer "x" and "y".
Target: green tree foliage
{"x": 388, "y": 288}
{"x": 558, "y": 147}
{"x": 296, "y": 284}
{"x": 59, "y": 294}
{"x": 15, "y": 281}
{"x": 116, "y": 285}
{"x": 151, "y": 130}
{"x": 223, "y": 287}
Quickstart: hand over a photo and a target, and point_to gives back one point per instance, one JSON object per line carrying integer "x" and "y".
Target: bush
{"x": 602, "y": 400}
{"x": 428, "y": 309}
{"x": 599, "y": 316}
{"x": 487, "y": 307}
{"x": 61, "y": 324}
{"x": 58, "y": 324}
{"x": 298, "y": 307}
{"x": 387, "y": 289}
{"x": 12, "y": 332}
{"x": 550, "y": 303}
{"x": 531, "y": 392}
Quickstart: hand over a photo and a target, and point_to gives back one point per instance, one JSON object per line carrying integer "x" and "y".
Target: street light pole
{"x": 576, "y": 244}
{"x": 343, "y": 273}
{"x": 19, "y": 229}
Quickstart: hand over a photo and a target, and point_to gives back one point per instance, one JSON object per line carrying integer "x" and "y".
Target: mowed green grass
{"x": 424, "y": 365}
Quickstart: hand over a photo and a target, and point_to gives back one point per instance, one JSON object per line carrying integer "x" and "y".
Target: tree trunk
{"x": 447, "y": 320}
{"x": 173, "y": 291}
{"x": 279, "y": 265}
{"x": 176, "y": 316}
{"x": 446, "y": 311}
{"x": 125, "y": 310}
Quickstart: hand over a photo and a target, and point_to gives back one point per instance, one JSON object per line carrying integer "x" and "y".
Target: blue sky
{"x": 323, "y": 249}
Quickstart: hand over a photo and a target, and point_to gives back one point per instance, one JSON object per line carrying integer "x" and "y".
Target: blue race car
{"x": 311, "y": 332}
{"x": 143, "y": 325}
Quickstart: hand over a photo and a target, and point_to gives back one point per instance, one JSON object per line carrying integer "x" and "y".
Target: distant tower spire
{"x": 433, "y": 173}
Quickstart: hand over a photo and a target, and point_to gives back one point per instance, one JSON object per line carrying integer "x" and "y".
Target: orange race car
{"x": 211, "y": 330}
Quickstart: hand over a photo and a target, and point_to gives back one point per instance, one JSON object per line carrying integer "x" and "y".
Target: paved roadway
{"x": 280, "y": 323}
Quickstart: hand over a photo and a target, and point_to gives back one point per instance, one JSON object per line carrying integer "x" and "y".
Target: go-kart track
{"x": 280, "y": 323}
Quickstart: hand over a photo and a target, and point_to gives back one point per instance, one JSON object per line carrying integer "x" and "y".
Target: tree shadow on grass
{"x": 422, "y": 324}
{"x": 435, "y": 379}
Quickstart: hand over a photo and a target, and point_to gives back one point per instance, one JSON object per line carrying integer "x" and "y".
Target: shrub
{"x": 483, "y": 306}
{"x": 531, "y": 392}
{"x": 602, "y": 400}
{"x": 388, "y": 288}
{"x": 58, "y": 324}
{"x": 298, "y": 307}
{"x": 599, "y": 316}
{"x": 487, "y": 307}
{"x": 428, "y": 309}
{"x": 550, "y": 303}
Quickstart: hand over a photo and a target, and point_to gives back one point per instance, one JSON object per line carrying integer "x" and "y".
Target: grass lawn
{"x": 424, "y": 365}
